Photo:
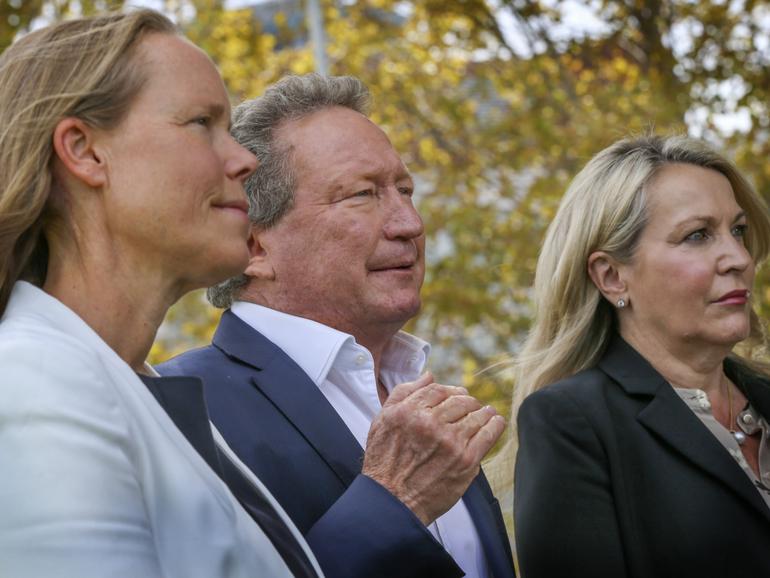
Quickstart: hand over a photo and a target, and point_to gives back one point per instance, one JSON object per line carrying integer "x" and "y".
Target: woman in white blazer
{"x": 121, "y": 190}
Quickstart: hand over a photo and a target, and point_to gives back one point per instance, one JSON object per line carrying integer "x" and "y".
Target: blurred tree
{"x": 16, "y": 16}
{"x": 495, "y": 105}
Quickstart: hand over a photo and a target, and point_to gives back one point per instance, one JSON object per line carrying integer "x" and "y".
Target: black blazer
{"x": 616, "y": 477}
{"x": 281, "y": 426}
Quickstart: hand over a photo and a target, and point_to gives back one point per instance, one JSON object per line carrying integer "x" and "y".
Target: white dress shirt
{"x": 344, "y": 372}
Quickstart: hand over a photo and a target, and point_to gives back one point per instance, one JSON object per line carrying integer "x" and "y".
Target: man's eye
{"x": 201, "y": 120}
{"x": 408, "y": 191}
{"x": 364, "y": 193}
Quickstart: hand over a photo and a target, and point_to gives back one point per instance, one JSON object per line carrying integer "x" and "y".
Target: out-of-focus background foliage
{"x": 494, "y": 105}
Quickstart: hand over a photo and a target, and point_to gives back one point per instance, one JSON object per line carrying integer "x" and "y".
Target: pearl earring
{"x": 621, "y": 303}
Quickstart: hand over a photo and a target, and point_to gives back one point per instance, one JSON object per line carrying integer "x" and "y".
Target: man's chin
{"x": 400, "y": 313}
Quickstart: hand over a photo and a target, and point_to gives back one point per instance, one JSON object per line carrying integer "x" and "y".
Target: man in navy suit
{"x": 310, "y": 379}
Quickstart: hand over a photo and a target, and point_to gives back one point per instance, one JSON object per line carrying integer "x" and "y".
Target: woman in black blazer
{"x": 649, "y": 453}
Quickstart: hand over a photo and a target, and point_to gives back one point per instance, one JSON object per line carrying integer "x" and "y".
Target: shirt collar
{"x": 405, "y": 355}
{"x": 315, "y": 347}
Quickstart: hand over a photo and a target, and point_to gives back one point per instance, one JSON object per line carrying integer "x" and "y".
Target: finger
{"x": 404, "y": 390}
{"x": 455, "y": 408}
{"x": 434, "y": 394}
{"x": 485, "y": 437}
{"x": 474, "y": 421}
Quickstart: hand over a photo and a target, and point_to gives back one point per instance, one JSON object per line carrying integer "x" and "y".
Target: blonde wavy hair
{"x": 604, "y": 209}
{"x": 82, "y": 68}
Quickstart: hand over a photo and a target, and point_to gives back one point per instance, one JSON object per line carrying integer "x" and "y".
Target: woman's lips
{"x": 737, "y": 297}
{"x": 238, "y": 207}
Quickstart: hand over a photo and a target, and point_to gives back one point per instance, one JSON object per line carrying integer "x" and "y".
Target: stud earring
{"x": 621, "y": 303}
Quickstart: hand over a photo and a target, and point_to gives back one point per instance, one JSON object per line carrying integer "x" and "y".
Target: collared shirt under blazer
{"x": 343, "y": 371}
{"x": 279, "y": 423}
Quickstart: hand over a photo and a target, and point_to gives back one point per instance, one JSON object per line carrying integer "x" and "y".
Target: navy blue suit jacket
{"x": 281, "y": 426}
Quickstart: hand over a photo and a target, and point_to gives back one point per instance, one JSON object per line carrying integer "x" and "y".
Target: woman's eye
{"x": 739, "y": 230}
{"x": 699, "y": 235}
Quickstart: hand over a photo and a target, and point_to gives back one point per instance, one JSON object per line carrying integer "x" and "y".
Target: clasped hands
{"x": 426, "y": 445}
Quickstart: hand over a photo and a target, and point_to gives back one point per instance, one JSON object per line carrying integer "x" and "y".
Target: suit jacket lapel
{"x": 672, "y": 421}
{"x": 294, "y": 394}
{"x": 182, "y": 399}
{"x": 486, "y": 516}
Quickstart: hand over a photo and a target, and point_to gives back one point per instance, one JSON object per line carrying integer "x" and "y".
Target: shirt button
{"x": 360, "y": 359}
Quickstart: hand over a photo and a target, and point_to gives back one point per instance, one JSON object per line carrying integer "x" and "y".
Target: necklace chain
{"x": 739, "y": 436}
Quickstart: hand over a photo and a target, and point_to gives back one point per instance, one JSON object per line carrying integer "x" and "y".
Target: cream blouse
{"x": 749, "y": 421}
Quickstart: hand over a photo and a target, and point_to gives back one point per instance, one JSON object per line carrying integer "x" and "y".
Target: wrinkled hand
{"x": 427, "y": 444}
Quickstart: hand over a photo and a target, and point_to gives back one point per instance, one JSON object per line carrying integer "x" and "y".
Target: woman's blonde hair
{"x": 604, "y": 209}
{"x": 82, "y": 68}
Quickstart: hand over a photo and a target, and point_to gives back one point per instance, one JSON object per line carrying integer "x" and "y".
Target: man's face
{"x": 350, "y": 253}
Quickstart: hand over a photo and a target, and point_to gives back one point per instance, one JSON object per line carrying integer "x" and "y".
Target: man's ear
{"x": 259, "y": 266}
{"x": 74, "y": 144}
{"x": 606, "y": 273}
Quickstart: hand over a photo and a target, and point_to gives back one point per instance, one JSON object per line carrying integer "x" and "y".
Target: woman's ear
{"x": 259, "y": 266}
{"x": 605, "y": 272}
{"x": 74, "y": 144}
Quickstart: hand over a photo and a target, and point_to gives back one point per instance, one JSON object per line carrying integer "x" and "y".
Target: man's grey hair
{"x": 255, "y": 122}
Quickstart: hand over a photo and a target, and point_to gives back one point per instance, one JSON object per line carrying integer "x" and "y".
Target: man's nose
{"x": 403, "y": 221}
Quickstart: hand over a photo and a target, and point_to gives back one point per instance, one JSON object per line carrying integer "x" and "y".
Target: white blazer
{"x": 95, "y": 479}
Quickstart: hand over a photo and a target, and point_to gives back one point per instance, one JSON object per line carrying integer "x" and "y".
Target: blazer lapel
{"x": 755, "y": 387}
{"x": 672, "y": 421}
{"x": 182, "y": 399}
{"x": 488, "y": 520}
{"x": 294, "y": 394}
